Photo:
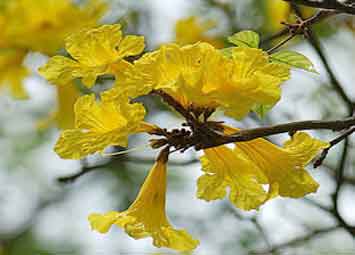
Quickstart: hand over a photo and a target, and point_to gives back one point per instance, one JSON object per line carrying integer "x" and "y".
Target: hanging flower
{"x": 146, "y": 217}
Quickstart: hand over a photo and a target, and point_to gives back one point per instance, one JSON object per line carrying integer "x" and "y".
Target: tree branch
{"x": 250, "y": 134}
{"x": 342, "y": 6}
{"x": 135, "y": 160}
{"x": 332, "y": 143}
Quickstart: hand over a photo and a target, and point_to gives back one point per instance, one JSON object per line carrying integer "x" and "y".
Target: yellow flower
{"x": 190, "y": 30}
{"x": 251, "y": 164}
{"x": 284, "y": 167}
{"x": 278, "y": 11}
{"x": 146, "y": 216}
{"x": 249, "y": 80}
{"x": 96, "y": 52}
{"x": 49, "y": 20}
{"x": 98, "y": 125}
{"x": 201, "y": 75}
{"x": 64, "y": 116}
{"x": 12, "y": 72}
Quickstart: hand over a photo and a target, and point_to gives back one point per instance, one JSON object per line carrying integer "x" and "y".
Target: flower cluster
{"x": 195, "y": 80}
{"x": 42, "y": 26}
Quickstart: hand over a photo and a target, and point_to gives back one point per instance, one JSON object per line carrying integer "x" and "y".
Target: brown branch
{"x": 280, "y": 44}
{"x": 341, "y": 6}
{"x": 173, "y": 103}
{"x": 250, "y": 134}
{"x": 339, "y": 179}
{"x": 332, "y": 143}
{"x": 298, "y": 27}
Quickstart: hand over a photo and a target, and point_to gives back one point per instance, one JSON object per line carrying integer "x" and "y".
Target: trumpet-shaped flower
{"x": 98, "y": 125}
{"x": 96, "y": 52}
{"x": 146, "y": 216}
{"x": 201, "y": 75}
{"x": 12, "y": 72}
{"x": 49, "y": 20}
{"x": 191, "y": 30}
{"x": 251, "y": 164}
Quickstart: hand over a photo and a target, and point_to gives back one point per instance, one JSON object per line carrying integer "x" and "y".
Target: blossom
{"x": 191, "y": 30}
{"x": 199, "y": 74}
{"x": 100, "y": 124}
{"x": 250, "y": 80}
{"x": 146, "y": 216}
{"x": 96, "y": 52}
{"x": 278, "y": 11}
{"x": 249, "y": 165}
{"x": 12, "y": 72}
{"x": 50, "y": 20}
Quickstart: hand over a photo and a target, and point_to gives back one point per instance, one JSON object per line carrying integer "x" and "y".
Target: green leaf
{"x": 227, "y": 52}
{"x": 245, "y": 39}
{"x": 293, "y": 59}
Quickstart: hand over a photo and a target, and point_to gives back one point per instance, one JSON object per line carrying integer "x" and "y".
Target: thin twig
{"x": 341, "y": 6}
{"x": 312, "y": 38}
{"x": 318, "y": 17}
{"x": 136, "y": 160}
{"x": 280, "y": 44}
{"x": 332, "y": 143}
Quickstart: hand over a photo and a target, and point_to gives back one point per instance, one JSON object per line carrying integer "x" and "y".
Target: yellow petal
{"x": 102, "y": 222}
{"x": 76, "y": 143}
{"x": 131, "y": 45}
{"x": 251, "y": 81}
{"x": 211, "y": 187}
{"x": 98, "y": 125}
{"x": 95, "y": 47}
{"x": 175, "y": 239}
{"x": 225, "y": 168}
{"x": 97, "y": 117}
{"x": 136, "y": 80}
{"x": 285, "y": 166}
{"x": 58, "y": 70}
